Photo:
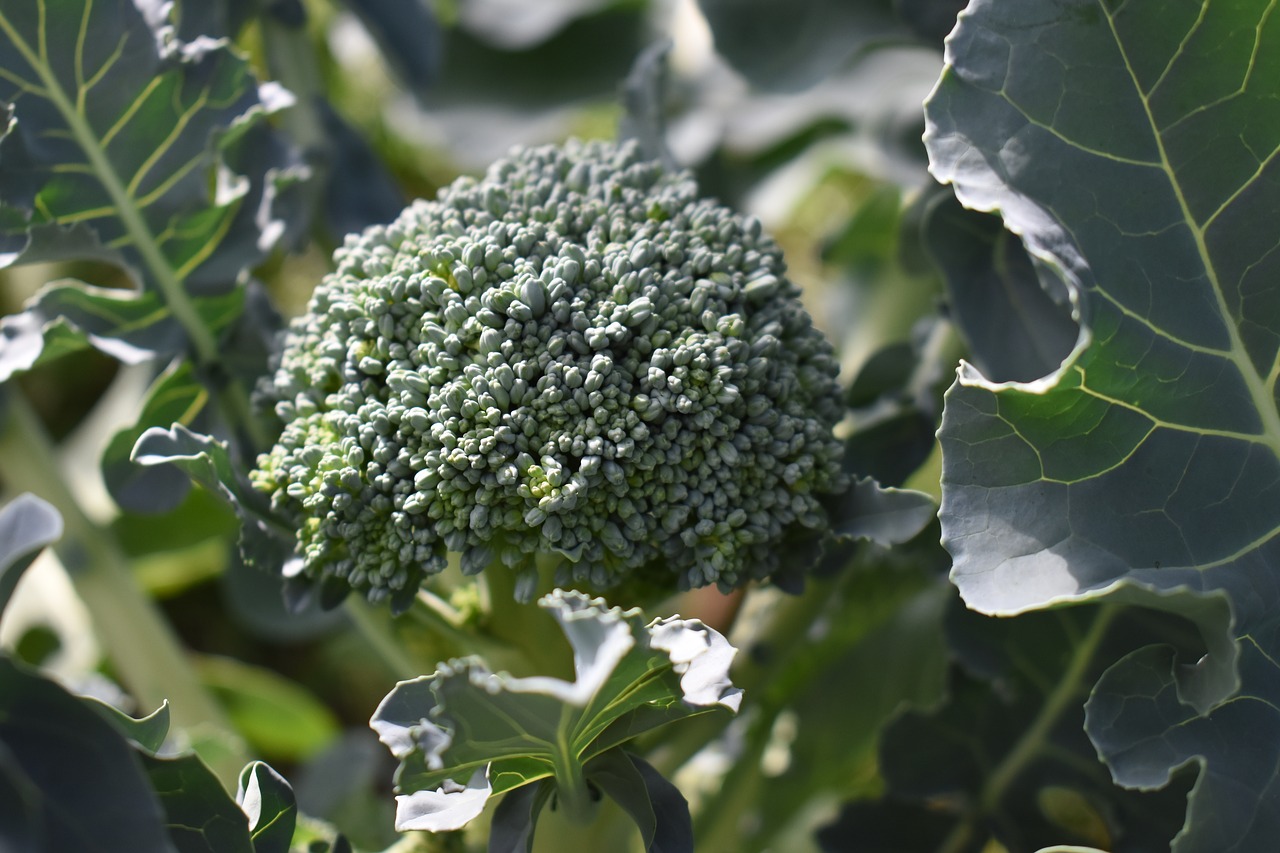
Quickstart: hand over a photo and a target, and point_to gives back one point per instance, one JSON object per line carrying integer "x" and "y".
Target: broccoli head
{"x": 572, "y": 359}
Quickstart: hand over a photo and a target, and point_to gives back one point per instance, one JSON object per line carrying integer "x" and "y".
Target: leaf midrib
{"x": 165, "y": 277}
{"x": 1263, "y": 399}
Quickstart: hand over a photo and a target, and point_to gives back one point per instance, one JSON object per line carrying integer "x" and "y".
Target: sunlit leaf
{"x": 1133, "y": 147}
{"x": 130, "y": 327}
{"x": 1015, "y": 317}
{"x": 465, "y": 734}
{"x": 267, "y": 799}
{"x": 122, "y": 129}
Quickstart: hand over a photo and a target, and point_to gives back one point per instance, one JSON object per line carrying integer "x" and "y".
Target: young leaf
{"x": 657, "y": 807}
{"x": 268, "y": 800}
{"x": 1133, "y": 148}
{"x": 498, "y": 732}
{"x": 27, "y": 525}
{"x": 176, "y": 396}
{"x": 516, "y": 818}
{"x": 884, "y": 516}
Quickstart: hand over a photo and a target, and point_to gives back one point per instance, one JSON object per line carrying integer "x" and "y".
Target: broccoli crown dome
{"x": 574, "y": 355}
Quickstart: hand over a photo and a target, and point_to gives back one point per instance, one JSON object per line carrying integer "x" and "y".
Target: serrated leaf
{"x": 27, "y": 525}
{"x": 122, "y": 132}
{"x": 265, "y": 796}
{"x": 201, "y": 816}
{"x": 495, "y": 732}
{"x": 1133, "y": 148}
{"x": 1136, "y": 720}
{"x": 96, "y": 798}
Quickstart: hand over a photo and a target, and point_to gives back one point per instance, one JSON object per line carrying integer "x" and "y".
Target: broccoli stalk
{"x": 574, "y": 355}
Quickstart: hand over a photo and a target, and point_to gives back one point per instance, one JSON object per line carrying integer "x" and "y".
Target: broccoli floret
{"x": 574, "y": 355}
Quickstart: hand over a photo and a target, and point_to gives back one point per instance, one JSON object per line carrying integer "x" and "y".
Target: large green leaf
{"x": 118, "y": 127}
{"x": 81, "y": 783}
{"x": 124, "y": 144}
{"x": 1133, "y": 147}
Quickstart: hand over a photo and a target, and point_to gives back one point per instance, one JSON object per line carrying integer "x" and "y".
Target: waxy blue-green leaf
{"x": 27, "y": 524}
{"x": 120, "y": 129}
{"x": 176, "y": 396}
{"x": 1133, "y": 146}
{"x": 1015, "y": 318}
{"x": 464, "y": 733}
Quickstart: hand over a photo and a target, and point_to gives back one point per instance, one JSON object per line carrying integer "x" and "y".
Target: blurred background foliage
{"x": 806, "y": 114}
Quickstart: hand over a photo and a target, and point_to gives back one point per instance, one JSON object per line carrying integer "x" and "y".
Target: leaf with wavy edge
{"x": 1133, "y": 147}
{"x": 464, "y": 733}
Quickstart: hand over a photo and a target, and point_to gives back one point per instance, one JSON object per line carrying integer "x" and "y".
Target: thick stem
{"x": 572, "y": 792}
{"x": 141, "y": 645}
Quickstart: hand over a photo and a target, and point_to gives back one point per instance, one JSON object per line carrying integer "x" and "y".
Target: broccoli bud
{"x": 574, "y": 355}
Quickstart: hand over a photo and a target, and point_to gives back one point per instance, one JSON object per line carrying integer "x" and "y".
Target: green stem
{"x": 1033, "y": 739}
{"x": 572, "y": 793}
{"x": 379, "y": 634}
{"x": 525, "y": 628}
{"x": 139, "y": 643}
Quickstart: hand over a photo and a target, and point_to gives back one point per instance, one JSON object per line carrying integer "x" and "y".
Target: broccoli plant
{"x": 634, "y": 442}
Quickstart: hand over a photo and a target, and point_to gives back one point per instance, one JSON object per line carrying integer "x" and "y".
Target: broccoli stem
{"x": 375, "y": 630}
{"x": 573, "y": 795}
{"x": 140, "y": 644}
{"x": 526, "y": 628}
